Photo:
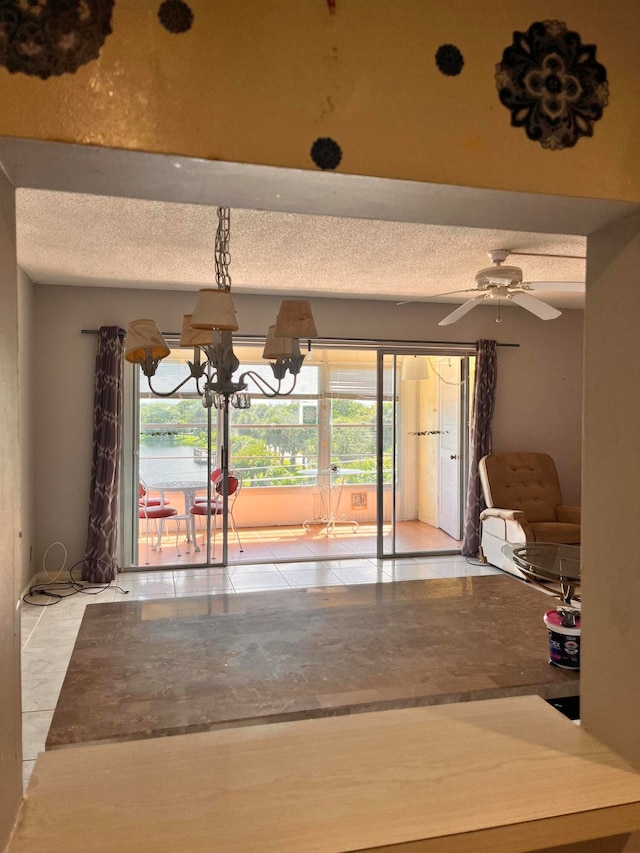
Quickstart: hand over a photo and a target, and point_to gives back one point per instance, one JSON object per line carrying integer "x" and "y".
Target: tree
{"x": 157, "y": 413}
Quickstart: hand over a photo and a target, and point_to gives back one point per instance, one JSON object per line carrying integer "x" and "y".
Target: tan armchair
{"x": 524, "y": 504}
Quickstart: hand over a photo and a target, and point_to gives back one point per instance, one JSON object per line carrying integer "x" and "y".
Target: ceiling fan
{"x": 504, "y": 282}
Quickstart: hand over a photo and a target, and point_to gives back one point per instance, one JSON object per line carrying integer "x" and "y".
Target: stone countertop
{"x": 161, "y": 667}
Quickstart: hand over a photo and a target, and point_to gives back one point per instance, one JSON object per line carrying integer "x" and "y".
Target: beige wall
{"x": 257, "y": 81}
{"x": 610, "y": 677}
{"x": 26, "y": 336}
{"x": 10, "y": 517}
{"x": 539, "y": 398}
{"x": 538, "y": 403}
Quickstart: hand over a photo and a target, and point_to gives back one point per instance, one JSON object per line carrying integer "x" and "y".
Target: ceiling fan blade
{"x": 536, "y": 306}
{"x": 437, "y": 295}
{"x": 559, "y": 286}
{"x": 461, "y": 310}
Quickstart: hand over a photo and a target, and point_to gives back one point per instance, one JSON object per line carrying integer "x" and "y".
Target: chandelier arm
{"x": 167, "y": 393}
{"x": 267, "y": 389}
{"x": 205, "y": 373}
{"x": 293, "y": 387}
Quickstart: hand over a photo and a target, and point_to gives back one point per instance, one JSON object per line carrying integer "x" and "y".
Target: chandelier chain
{"x": 441, "y": 377}
{"x": 209, "y": 329}
{"x": 222, "y": 256}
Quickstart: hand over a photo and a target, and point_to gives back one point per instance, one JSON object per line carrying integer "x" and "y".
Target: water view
{"x": 172, "y": 465}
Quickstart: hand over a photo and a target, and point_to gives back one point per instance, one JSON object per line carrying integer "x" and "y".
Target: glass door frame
{"x": 130, "y": 460}
{"x": 130, "y": 467}
{"x": 464, "y": 351}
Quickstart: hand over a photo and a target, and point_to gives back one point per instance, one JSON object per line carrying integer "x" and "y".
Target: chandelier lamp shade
{"x": 214, "y": 310}
{"x": 275, "y": 347}
{"x": 415, "y": 368}
{"x": 146, "y": 345}
{"x": 295, "y": 320}
{"x": 209, "y": 329}
{"x": 190, "y": 337}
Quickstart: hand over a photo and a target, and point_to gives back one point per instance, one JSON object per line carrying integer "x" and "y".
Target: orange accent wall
{"x": 257, "y": 81}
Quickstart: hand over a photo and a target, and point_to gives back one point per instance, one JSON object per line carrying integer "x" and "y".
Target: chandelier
{"x": 209, "y": 330}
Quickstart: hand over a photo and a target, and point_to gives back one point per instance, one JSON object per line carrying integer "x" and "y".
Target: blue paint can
{"x": 563, "y": 626}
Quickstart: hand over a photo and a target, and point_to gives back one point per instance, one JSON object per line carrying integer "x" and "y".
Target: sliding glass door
{"x": 422, "y": 450}
{"x": 302, "y": 466}
{"x": 177, "y": 442}
{"x": 366, "y": 457}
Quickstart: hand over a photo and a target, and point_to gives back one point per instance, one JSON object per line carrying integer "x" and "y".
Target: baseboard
{"x": 33, "y": 581}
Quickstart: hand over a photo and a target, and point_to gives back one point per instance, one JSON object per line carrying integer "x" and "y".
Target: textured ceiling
{"x": 67, "y": 238}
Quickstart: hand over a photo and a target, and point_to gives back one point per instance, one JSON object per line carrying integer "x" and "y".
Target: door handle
{"x": 454, "y": 456}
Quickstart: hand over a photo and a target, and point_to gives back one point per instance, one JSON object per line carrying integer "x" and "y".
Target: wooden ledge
{"x": 498, "y": 775}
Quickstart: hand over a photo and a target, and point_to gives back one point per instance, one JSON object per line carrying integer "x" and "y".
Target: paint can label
{"x": 564, "y": 651}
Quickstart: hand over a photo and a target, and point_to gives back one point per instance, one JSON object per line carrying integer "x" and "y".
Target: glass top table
{"x": 546, "y": 563}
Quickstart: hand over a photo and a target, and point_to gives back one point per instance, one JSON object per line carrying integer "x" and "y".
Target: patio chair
{"x": 156, "y": 510}
{"x": 203, "y": 507}
{"x": 145, "y": 499}
{"x": 216, "y": 480}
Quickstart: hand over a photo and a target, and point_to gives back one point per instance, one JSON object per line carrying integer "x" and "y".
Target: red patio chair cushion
{"x": 156, "y": 511}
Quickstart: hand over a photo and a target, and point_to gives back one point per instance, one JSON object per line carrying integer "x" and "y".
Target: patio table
{"x": 189, "y": 488}
{"x": 330, "y": 485}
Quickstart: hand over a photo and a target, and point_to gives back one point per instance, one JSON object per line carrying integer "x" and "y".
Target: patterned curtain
{"x": 100, "y": 553}
{"x": 484, "y": 395}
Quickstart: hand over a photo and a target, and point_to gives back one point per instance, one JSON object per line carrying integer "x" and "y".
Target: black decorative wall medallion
{"x": 552, "y": 84}
{"x": 175, "y": 16}
{"x": 45, "y": 37}
{"x": 326, "y": 153}
{"x": 449, "y": 59}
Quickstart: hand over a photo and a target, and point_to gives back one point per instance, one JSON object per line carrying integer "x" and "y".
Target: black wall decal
{"x": 45, "y": 37}
{"x": 175, "y": 16}
{"x": 449, "y": 59}
{"x": 326, "y": 153}
{"x": 552, "y": 84}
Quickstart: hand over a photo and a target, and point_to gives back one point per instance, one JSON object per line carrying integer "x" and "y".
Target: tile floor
{"x": 294, "y": 542}
{"x": 49, "y": 633}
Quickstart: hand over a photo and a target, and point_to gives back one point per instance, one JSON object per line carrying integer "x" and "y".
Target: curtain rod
{"x": 121, "y": 332}
{"x": 399, "y": 344}
{"x": 340, "y": 342}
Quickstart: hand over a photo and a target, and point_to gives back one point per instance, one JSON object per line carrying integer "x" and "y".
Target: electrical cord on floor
{"x": 62, "y": 567}
{"x": 56, "y": 590}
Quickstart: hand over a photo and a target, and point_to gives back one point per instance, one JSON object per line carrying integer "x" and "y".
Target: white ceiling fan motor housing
{"x": 498, "y": 276}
